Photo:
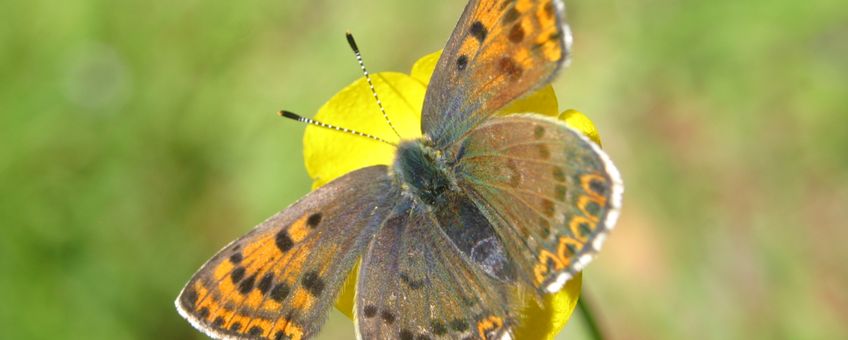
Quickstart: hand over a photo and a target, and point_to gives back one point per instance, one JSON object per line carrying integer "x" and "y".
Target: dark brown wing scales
{"x": 552, "y": 193}
{"x": 278, "y": 281}
{"x": 414, "y": 284}
{"x": 499, "y": 51}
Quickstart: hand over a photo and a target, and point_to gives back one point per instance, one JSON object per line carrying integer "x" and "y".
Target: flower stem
{"x": 589, "y": 318}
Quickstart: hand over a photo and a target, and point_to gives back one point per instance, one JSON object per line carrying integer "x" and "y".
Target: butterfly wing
{"x": 415, "y": 284}
{"x": 551, "y": 193}
{"x": 499, "y": 51}
{"x": 278, "y": 281}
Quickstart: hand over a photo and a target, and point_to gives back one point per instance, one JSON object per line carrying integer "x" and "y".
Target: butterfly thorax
{"x": 423, "y": 171}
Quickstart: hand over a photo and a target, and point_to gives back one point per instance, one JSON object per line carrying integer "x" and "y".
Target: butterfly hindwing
{"x": 415, "y": 284}
{"x": 278, "y": 281}
{"x": 552, "y": 193}
{"x": 499, "y": 51}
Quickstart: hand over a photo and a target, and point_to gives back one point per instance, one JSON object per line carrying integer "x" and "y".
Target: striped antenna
{"x": 299, "y": 118}
{"x": 355, "y": 49}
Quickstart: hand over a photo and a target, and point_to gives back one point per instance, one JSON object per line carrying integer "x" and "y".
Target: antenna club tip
{"x": 351, "y": 42}
{"x": 287, "y": 114}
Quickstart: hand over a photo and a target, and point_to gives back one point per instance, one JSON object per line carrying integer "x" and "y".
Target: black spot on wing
{"x": 369, "y": 311}
{"x": 284, "y": 241}
{"x": 313, "y": 220}
{"x": 509, "y": 67}
{"x": 598, "y": 187}
{"x": 247, "y": 285}
{"x": 313, "y": 283}
{"x": 237, "y": 274}
{"x": 279, "y": 292}
{"x": 266, "y": 282}
{"x": 236, "y": 258}
{"x": 219, "y": 321}
{"x": 236, "y": 326}
{"x": 203, "y": 312}
{"x": 516, "y": 34}
{"x": 478, "y": 31}
{"x": 388, "y": 317}
{"x": 255, "y": 331}
{"x": 461, "y": 62}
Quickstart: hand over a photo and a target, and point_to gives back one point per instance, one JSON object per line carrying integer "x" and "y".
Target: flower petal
{"x": 424, "y": 67}
{"x": 543, "y": 101}
{"x": 577, "y": 120}
{"x": 547, "y": 320}
{"x": 329, "y": 153}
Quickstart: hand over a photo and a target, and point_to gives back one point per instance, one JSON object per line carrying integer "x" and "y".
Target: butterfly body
{"x": 455, "y": 231}
{"x": 428, "y": 176}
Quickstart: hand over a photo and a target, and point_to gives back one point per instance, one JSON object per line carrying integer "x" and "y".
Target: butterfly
{"x": 478, "y": 208}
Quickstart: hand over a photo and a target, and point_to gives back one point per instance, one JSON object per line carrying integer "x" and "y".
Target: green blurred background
{"x": 138, "y": 137}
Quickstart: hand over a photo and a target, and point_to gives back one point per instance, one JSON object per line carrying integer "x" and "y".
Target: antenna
{"x": 355, "y": 49}
{"x": 299, "y": 118}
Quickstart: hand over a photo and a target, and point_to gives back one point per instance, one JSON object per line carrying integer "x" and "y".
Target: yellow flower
{"x": 329, "y": 154}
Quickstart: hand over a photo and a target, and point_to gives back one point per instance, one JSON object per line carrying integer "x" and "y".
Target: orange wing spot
{"x": 223, "y": 270}
{"x": 469, "y": 47}
{"x": 201, "y": 290}
{"x": 586, "y": 183}
{"x": 489, "y": 324}
{"x": 271, "y": 305}
{"x": 298, "y": 230}
{"x": 542, "y": 267}
{"x": 545, "y": 15}
{"x": 230, "y": 291}
{"x": 524, "y": 5}
{"x": 254, "y": 299}
{"x": 294, "y": 263}
{"x": 552, "y": 51}
{"x": 301, "y": 299}
{"x": 583, "y": 202}
{"x": 564, "y": 252}
{"x": 577, "y": 226}
{"x": 524, "y": 58}
{"x": 251, "y": 248}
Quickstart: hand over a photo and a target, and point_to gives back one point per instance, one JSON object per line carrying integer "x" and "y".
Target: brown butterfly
{"x": 477, "y": 208}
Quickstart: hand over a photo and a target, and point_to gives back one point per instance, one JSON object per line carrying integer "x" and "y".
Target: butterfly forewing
{"x": 415, "y": 284}
{"x": 499, "y": 51}
{"x": 278, "y": 281}
{"x": 552, "y": 194}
